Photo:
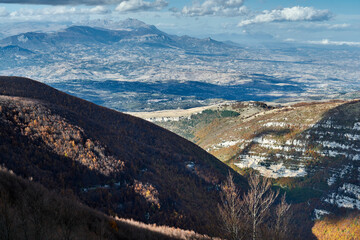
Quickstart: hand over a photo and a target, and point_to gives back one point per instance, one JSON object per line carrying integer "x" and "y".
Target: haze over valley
{"x": 137, "y": 67}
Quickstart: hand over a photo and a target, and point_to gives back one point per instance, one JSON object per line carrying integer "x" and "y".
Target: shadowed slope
{"x": 164, "y": 179}
{"x": 30, "y": 211}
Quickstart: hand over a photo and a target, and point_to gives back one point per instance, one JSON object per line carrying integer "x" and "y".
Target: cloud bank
{"x": 3, "y": 12}
{"x": 229, "y": 8}
{"x": 72, "y": 11}
{"x": 64, "y": 2}
{"x": 337, "y": 43}
{"x": 123, "y": 5}
{"x": 293, "y": 14}
{"x": 26, "y": 13}
{"x": 140, "y": 5}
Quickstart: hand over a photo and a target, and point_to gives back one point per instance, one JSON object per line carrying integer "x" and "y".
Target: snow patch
{"x": 357, "y": 126}
{"x": 190, "y": 165}
{"x": 348, "y": 196}
{"x": 334, "y": 145}
{"x": 168, "y": 119}
{"x": 225, "y": 144}
{"x": 275, "y": 124}
{"x": 320, "y": 212}
{"x": 273, "y": 171}
{"x": 352, "y": 189}
{"x": 343, "y": 201}
{"x": 352, "y": 137}
{"x": 22, "y": 38}
{"x": 340, "y": 175}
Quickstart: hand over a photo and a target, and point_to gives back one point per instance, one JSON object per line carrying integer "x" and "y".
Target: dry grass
{"x": 175, "y": 233}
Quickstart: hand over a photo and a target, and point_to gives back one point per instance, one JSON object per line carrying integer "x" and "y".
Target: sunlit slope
{"x": 314, "y": 146}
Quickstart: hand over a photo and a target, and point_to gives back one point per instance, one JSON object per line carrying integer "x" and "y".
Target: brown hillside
{"x": 114, "y": 162}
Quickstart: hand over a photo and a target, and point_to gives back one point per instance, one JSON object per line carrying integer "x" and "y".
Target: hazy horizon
{"x": 302, "y": 21}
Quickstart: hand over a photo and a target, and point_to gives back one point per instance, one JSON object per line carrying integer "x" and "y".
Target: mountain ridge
{"x": 130, "y": 31}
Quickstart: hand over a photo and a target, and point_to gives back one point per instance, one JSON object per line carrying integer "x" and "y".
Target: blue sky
{"x": 311, "y": 21}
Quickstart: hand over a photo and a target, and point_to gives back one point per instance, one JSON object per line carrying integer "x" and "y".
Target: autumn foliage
{"x": 338, "y": 228}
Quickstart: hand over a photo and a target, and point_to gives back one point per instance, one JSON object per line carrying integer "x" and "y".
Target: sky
{"x": 327, "y": 22}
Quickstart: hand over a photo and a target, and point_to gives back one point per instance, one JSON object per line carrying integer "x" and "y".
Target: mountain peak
{"x": 129, "y": 23}
{"x": 133, "y": 23}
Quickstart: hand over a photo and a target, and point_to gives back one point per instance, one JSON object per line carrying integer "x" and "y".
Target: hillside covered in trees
{"x": 29, "y": 211}
{"x": 112, "y": 162}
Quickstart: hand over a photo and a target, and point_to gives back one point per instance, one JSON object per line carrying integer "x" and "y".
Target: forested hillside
{"x": 111, "y": 161}
{"x": 30, "y": 211}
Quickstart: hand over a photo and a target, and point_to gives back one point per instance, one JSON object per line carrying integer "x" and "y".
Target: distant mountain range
{"x": 86, "y": 59}
{"x": 132, "y": 32}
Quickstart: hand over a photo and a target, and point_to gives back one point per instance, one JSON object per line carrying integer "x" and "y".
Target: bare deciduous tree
{"x": 230, "y": 208}
{"x": 242, "y": 216}
{"x": 257, "y": 202}
{"x": 282, "y": 218}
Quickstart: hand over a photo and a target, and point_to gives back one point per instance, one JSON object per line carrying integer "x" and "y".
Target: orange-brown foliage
{"x": 338, "y": 228}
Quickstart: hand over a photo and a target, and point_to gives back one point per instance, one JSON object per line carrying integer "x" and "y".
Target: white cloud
{"x": 293, "y": 14}
{"x": 322, "y": 26}
{"x": 229, "y": 8}
{"x": 3, "y": 12}
{"x": 289, "y": 40}
{"x": 140, "y": 5}
{"x": 338, "y": 26}
{"x": 96, "y": 10}
{"x": 56, "y": 11}
{"x": 338, "y": 43}
{"x": 64, "y": 2}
